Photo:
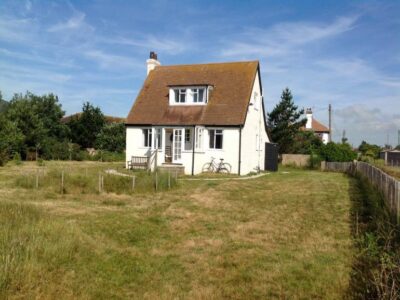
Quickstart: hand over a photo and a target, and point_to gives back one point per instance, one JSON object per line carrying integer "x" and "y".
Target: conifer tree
{"x": 284, "y": 122}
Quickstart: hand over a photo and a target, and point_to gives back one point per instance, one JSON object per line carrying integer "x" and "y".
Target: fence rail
{"x": 386, "y": 184}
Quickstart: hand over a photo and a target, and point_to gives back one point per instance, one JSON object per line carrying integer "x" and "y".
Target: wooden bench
{"x": 138, "y": 162}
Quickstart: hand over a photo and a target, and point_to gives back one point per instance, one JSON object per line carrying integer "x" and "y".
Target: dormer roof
{"x": 231, "y": 86}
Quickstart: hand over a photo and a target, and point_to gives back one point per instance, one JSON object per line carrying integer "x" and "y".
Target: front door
{"x": 177, "y": 146}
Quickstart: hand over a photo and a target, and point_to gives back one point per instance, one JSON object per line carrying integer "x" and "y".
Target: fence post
{"x": 133, "y": 183}
{"x": 398, "y": 202}
{"x": 62, "y": 182}
{"x": 99, "y": 182}
{"x": 169, "y": 179}
{"x": 323, "y": 165}
{"x": 37, "y": 178}
{"x": 156, "y": 181}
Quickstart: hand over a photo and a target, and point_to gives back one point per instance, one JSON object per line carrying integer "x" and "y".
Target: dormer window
{"x": 196, "y": 95}
{"x": 180, "y": 95}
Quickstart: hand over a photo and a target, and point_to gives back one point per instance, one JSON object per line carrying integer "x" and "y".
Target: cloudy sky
{"x": 339, "y": 52}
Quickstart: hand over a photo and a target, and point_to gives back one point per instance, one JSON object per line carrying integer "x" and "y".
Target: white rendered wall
{"x": 254, "y": 135}
{"x": 325, "y": 138}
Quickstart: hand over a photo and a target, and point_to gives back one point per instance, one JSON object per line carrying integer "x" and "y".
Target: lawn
{"x": 283, "y": 235}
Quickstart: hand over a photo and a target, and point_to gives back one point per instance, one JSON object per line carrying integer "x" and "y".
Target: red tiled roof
{"x": 227, "y": 103}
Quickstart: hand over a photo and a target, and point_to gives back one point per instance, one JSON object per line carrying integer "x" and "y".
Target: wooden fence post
{"x": 156, "y": 181}
{"x": 133, "y": 183}
{"x": 62, "y": 182}
{"x": 99, "y": 182}
{"x": 37, "y": 178}
{"x": 169, "y": 179}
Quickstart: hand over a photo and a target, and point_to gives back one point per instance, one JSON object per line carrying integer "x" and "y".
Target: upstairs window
{"x": 180, "y": 95}
{"x": 216, "y": 137}
{"x": 198, "y": 95}
{"x": 147, "y": 137}
{"x": 188, "y": 95}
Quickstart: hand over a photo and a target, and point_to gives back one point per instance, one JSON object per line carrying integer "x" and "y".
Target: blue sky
{"x": 339, "y": 52}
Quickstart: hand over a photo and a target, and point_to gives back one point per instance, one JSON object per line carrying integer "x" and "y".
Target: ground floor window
{"x": 199, "y": 138}
{"x": 188, "y": 139}
{"x": 216, "y": 138}
{"x": 158, "y": 140}
{"x": 147, "y": 137}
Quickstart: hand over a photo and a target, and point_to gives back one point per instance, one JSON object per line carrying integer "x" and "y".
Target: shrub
{"x": 17, "y": 158}
{"x": 3, "y": 158}
{"x": 337, "y": 152}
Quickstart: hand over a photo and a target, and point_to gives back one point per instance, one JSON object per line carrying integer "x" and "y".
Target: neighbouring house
{"x": 318, "y": 128}
{"x": 391, "y": 157}
{"x": 189, "y": 114}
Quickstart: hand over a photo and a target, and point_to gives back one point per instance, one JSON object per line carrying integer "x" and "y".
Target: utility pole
{"x": 330, "y": 123}
{"x": 398, "y": 137}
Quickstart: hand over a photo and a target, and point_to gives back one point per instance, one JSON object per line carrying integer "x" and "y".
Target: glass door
{"x": 177, "y": 145}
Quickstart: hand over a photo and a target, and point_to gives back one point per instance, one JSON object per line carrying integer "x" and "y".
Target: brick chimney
{"x": 309, "y": 118}
{"x": 152, "y": 62}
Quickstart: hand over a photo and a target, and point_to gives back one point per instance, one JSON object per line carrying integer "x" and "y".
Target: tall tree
{"x": 285, "y": 121}
{"x": 111, "y": 137}
{"x": 86, "y": 126}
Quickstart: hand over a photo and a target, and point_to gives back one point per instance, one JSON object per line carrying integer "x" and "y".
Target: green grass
{"x": 278, "y": 236}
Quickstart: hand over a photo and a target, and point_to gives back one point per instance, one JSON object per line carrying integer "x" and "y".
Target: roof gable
{"x": 227, "y": 103}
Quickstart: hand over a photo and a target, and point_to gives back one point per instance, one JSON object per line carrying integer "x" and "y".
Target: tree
{"x": 306, "y": 142}
{"x": 85, "y": 127}
{"x": 111, "y": 137}
{"x": 38, "y": 119}
{"x": 340, "y": 152}
{"x": 3, "y": 104}
{"x": 369, "y": 149}
{"x": 11, "y": 139}
{"x": 284, "y": 122}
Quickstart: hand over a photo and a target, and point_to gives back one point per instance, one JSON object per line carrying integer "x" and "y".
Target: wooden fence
{"x": 386, "y": 184}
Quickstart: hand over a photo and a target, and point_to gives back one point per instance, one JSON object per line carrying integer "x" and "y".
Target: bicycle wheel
{"x": 208, "y": 167}
{"x": 225, "y": 168}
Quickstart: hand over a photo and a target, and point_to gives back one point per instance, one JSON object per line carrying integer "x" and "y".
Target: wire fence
{"x": 386, "y": 184}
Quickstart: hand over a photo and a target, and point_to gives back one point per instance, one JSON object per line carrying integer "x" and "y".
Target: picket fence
{"x": 386, "y": 184}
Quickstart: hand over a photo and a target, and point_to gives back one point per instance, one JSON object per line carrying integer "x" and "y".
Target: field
{"x": 283, "y": 235}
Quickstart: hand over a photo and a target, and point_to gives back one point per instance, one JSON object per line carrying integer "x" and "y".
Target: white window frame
{"x": 199, "y": 136}
{"x": 190, "y": 93}
{"x": 149, "y": 137}
{"x": 158, "y": 138}
{"x": 215, "y": 134}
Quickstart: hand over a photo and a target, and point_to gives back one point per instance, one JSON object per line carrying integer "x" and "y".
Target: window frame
{"x": 216, "y": 133}
{"x": 158, "y": 138}
{"x": 188, "y": 95}
{"x": 199, "y": 136}
{"x": 149, "y": 136}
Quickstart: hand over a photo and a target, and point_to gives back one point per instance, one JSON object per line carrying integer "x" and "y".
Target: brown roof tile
{"x": 227, "y": 104}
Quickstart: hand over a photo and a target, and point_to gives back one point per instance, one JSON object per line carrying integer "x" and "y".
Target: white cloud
{"x": 76, "y": 22}
{"x": 109, "y": 61}
{"x": 284, "y": 37}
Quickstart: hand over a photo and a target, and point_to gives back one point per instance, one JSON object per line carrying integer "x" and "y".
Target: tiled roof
{"x": 228, "y": 100}
{"x": 318, "y": 127}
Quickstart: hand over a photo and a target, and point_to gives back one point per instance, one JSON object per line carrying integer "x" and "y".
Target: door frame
{"x": 173, "y": 149}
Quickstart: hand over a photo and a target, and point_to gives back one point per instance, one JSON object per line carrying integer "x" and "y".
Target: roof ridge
{"x": 213, "y": 63}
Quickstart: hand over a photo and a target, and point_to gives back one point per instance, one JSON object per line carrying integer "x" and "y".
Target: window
{"x": 199, "y": 138}
{"x": 180, "y": 95}
{"x": 216, "y": 136}
{"x": 188, "y": 139}
{"x": 158, "y": 140}
{"x": 147, "y": 137}
{"x": 198, "y": 95}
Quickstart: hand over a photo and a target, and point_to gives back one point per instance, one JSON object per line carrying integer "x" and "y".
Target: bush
{"x": 337, "y": 152}
{"x": 17, "y": 158}
{"x": 3, "y": 158}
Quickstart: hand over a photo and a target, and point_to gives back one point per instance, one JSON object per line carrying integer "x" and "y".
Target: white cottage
{"x": 186, "y": 115}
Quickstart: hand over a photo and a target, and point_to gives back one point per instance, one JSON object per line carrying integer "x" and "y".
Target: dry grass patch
{"x": 279, "y": 236}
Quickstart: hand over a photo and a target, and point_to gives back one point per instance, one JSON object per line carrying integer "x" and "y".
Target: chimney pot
{"x": 152, "y": 62}
{"x": 153, "y": 55}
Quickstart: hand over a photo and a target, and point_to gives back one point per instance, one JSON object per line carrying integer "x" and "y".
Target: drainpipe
{"x": 194, "y": 138}
{"x": 240, "y": 149}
